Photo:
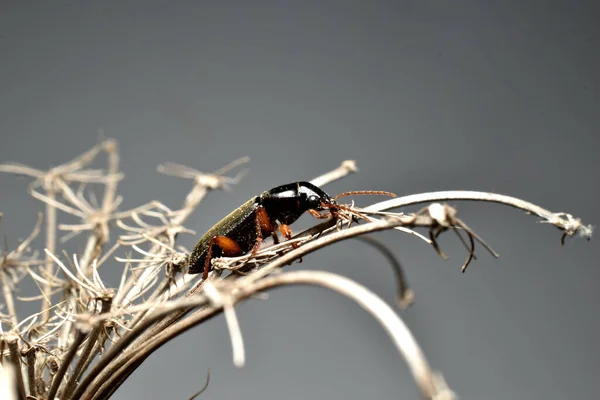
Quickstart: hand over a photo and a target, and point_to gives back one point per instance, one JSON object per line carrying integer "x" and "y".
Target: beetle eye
{"x": 313, "y": 200}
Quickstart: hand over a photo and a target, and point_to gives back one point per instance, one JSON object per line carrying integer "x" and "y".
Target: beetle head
{"x": 287, "y": 203}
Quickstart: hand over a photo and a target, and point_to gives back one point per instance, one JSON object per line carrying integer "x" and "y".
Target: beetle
{"x": 246, "y": 227}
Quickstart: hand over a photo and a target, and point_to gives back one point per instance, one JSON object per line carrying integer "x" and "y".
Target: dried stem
{"x": 51, "y": 246}
{"x": 400, "y": 334}
{"x": 391, "y": 322}
{"x": 112, "y": 331}
{"x": 405, "y": 296}
{"x": 347, "y": 167}
{"x": 65, "y": 362}
{"x": 8, "y": 298}
{"x": 98, "y": 374}
{"x": 8, "y": 390}
{"x": 30, "y": 354}
{"x": 86, "y": 355}
{"x": 411, "y": 220}
{"x": 15, "y": 359}
{"x": 565, "y": 222}
{"x": 310, "y": 247}
{"x": 110, "y": 189}
{"x": 203, "y": 183}
{"x": 199, "y": 392}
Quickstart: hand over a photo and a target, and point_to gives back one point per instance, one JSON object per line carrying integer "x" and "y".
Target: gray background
{"x": 498, "y": 96}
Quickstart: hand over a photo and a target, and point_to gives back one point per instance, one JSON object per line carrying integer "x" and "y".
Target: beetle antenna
{"x": 334, "y": 208}
{"x": 355, "y": 192}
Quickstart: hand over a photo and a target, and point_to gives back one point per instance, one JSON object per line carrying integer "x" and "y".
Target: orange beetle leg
{"x": 287, "y": 232}
{"x": 315, "y": 214}
{"x": 227, "y": 245}
{"x": 263, "y": 225}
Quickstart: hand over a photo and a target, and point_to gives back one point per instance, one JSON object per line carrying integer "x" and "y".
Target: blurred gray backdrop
{"x": 425, "y": 95}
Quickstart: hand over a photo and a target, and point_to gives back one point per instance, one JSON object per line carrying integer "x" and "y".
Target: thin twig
{"x": 310, "y": 247}
{"x": 404, "y": 295}
{"x": 565, "y": 222}
{"x": 347, "y": 167}
{"x": 85, "y": 358}
{"x": 8, "y": 297}
{"x": 199, "y": 392}
{"x": 65, "y": 362}
{"x": 51, "y": 246}
{"x": 30, "y": 354}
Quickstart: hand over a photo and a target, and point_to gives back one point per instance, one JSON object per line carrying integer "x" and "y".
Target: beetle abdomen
{"x": 238, "y": 225}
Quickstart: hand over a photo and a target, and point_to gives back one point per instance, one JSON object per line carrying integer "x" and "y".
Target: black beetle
{"x": 245, "y": 227}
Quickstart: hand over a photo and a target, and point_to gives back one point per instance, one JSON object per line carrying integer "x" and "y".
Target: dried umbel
{"x": 87, "y": 337}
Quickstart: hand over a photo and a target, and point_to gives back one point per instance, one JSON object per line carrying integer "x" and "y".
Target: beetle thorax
{"x": 287, "y": 203}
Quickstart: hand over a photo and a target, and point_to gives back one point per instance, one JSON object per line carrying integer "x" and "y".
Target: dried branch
{"x": 199, "y": 392}
{"x": 347, "y": 167}
{"x": 10, "y": 261}
{"x": 52, "y": 181}
{"x": 563, "y": 221}
{"x": 106, "y": 333}
{"x": 30, "y": 355}
{"x": 405, "y": 296}
{"x": 65, "y": 362}
{"x": 430, "y": 386}
{"x": 51, "y": 246}
{"x": 7, "y": 382}
{"x": 87, "y": 354}
{"x": 164, "y": 310}
{"x": 15, "y": 360}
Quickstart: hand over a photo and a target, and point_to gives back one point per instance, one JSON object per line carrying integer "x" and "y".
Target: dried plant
{"x": 88, "y": 338}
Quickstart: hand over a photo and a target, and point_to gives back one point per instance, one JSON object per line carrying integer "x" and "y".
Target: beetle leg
{"x": 227, "y": 245}
{"x": 318, "y": 215}
{"x": 315, "y": 213}
{"x": 263, "y": 224}
{"x": 287, "y": 232}
{"x": 207, "y": 261}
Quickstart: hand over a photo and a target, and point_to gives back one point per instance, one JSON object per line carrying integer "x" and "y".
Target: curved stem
{"x": 459, "y": 195}
{"x": 383, "y": 313}
{"x": 404, "y": 295}
{"x": 562, "y": 221}
{"x": 310, "y": 247}
{"x": 125, "y": 363}
{"x": 159, "y": 314}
